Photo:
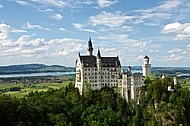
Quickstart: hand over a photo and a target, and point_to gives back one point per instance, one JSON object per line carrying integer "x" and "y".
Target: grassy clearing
{"x": 29, "y": 88}
{"x": 4, "y": 86}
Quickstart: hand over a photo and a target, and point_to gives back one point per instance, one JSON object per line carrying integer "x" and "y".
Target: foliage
{"x": 65, "y": 106}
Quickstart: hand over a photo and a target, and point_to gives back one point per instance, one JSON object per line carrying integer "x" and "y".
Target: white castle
{"x": 98, "y": 72}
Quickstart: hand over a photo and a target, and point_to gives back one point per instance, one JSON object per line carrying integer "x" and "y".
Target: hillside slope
{"x": 34, "y": 68}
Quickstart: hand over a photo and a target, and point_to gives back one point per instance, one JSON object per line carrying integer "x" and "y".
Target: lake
{"x": 37, "y": 74}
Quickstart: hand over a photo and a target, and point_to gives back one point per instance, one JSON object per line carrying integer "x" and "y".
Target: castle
{"x": 98, "y": 72}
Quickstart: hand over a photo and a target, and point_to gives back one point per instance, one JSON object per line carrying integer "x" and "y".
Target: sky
{"x": 55, "y": 31}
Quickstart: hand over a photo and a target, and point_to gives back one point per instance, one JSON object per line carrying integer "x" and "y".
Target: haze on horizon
{"x": 55, "y": 31}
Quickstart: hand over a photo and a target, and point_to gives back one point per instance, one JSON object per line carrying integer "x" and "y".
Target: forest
{"x": 65, "y": 106}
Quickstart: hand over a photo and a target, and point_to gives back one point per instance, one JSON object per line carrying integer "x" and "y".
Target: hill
{"x": 34, "y": 68}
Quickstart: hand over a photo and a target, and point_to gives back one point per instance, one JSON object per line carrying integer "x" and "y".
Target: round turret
{"x": 129, "y": 69}
{"x": 146, "y": 60}
{"x": 146, "y": 66}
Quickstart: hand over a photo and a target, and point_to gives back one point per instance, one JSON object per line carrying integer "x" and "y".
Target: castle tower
{"x": 175, "y": 79}
{"x": 129, "y": 69}
{"x": 90, "y": 48}
{"x": 98, "y": 59}
{"x": 146, "y": 67}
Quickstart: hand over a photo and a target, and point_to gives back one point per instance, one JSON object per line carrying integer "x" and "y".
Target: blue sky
{"x": 55, "y": 31}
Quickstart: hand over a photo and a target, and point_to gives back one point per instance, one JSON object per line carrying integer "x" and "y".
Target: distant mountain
{"x": 34, "y": 68}
{"x": 172, "y": 71}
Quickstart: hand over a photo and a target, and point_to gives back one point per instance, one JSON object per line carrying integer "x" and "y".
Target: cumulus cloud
{"x": 56, "y": 16}
{"x": 106, "y": 3}
{"x": 62, "y": 29}
{"x": 140, "y": 44}
{"x": 31, "y": 26}
{"x": 174, "y": 57}
{"x": 1, "y": 6}
{"x": 4, "y": 31}
{"x": 172, "y": 27}
{"x": 109, "y": 19}
{"x": 182, "y": 30}
{"x": 175, "y": 51}
{"x": 28, "y": 49}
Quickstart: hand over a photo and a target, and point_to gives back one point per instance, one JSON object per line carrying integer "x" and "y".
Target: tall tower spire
{"x": 90, "y": 48}
{"x": 146, "y": 66}
{"x": 98, "y": 59}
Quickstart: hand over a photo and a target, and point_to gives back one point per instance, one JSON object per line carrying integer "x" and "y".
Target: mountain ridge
{"x": 34, "y": 68}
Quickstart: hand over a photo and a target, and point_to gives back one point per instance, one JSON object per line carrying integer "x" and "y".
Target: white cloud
{"x": 88, "y": 2}
{"x": 173, "y": 57}
{"x": 106, "y": 3}
{"x": 18, "y": 30}
{"x": 56, "y": 16}
{"x": 151, "y": 24}
{"x": 169, "y": 5}
{"x": 140, "y": 44}
{"x": 58, "y": 3}
{"x": 165, "y": 10}
{"x": 22, "y": 3}
{"x": 4, "y": 31}
{"x": 175, "y": 51}
{"x": 81, "y": 27}
{"x": 124, "y": 44}
{"x": 90, "y": 30}
{"x": 30, "y": 26}
{"x": 78, "y": 26}
{"x": 151, "y": 19}
{"x": 109, "y": 19}
{"x": 1, "y": 6}
{"x": 62, "y": 29}
{"x": 182, "y": 31}
{"x": 172, "y": 27}
{"x": 165, "y": 6}
{"x": 39, "y": 50}
{"x": 153, "y": 50}
{"x": 48, "y": 10}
